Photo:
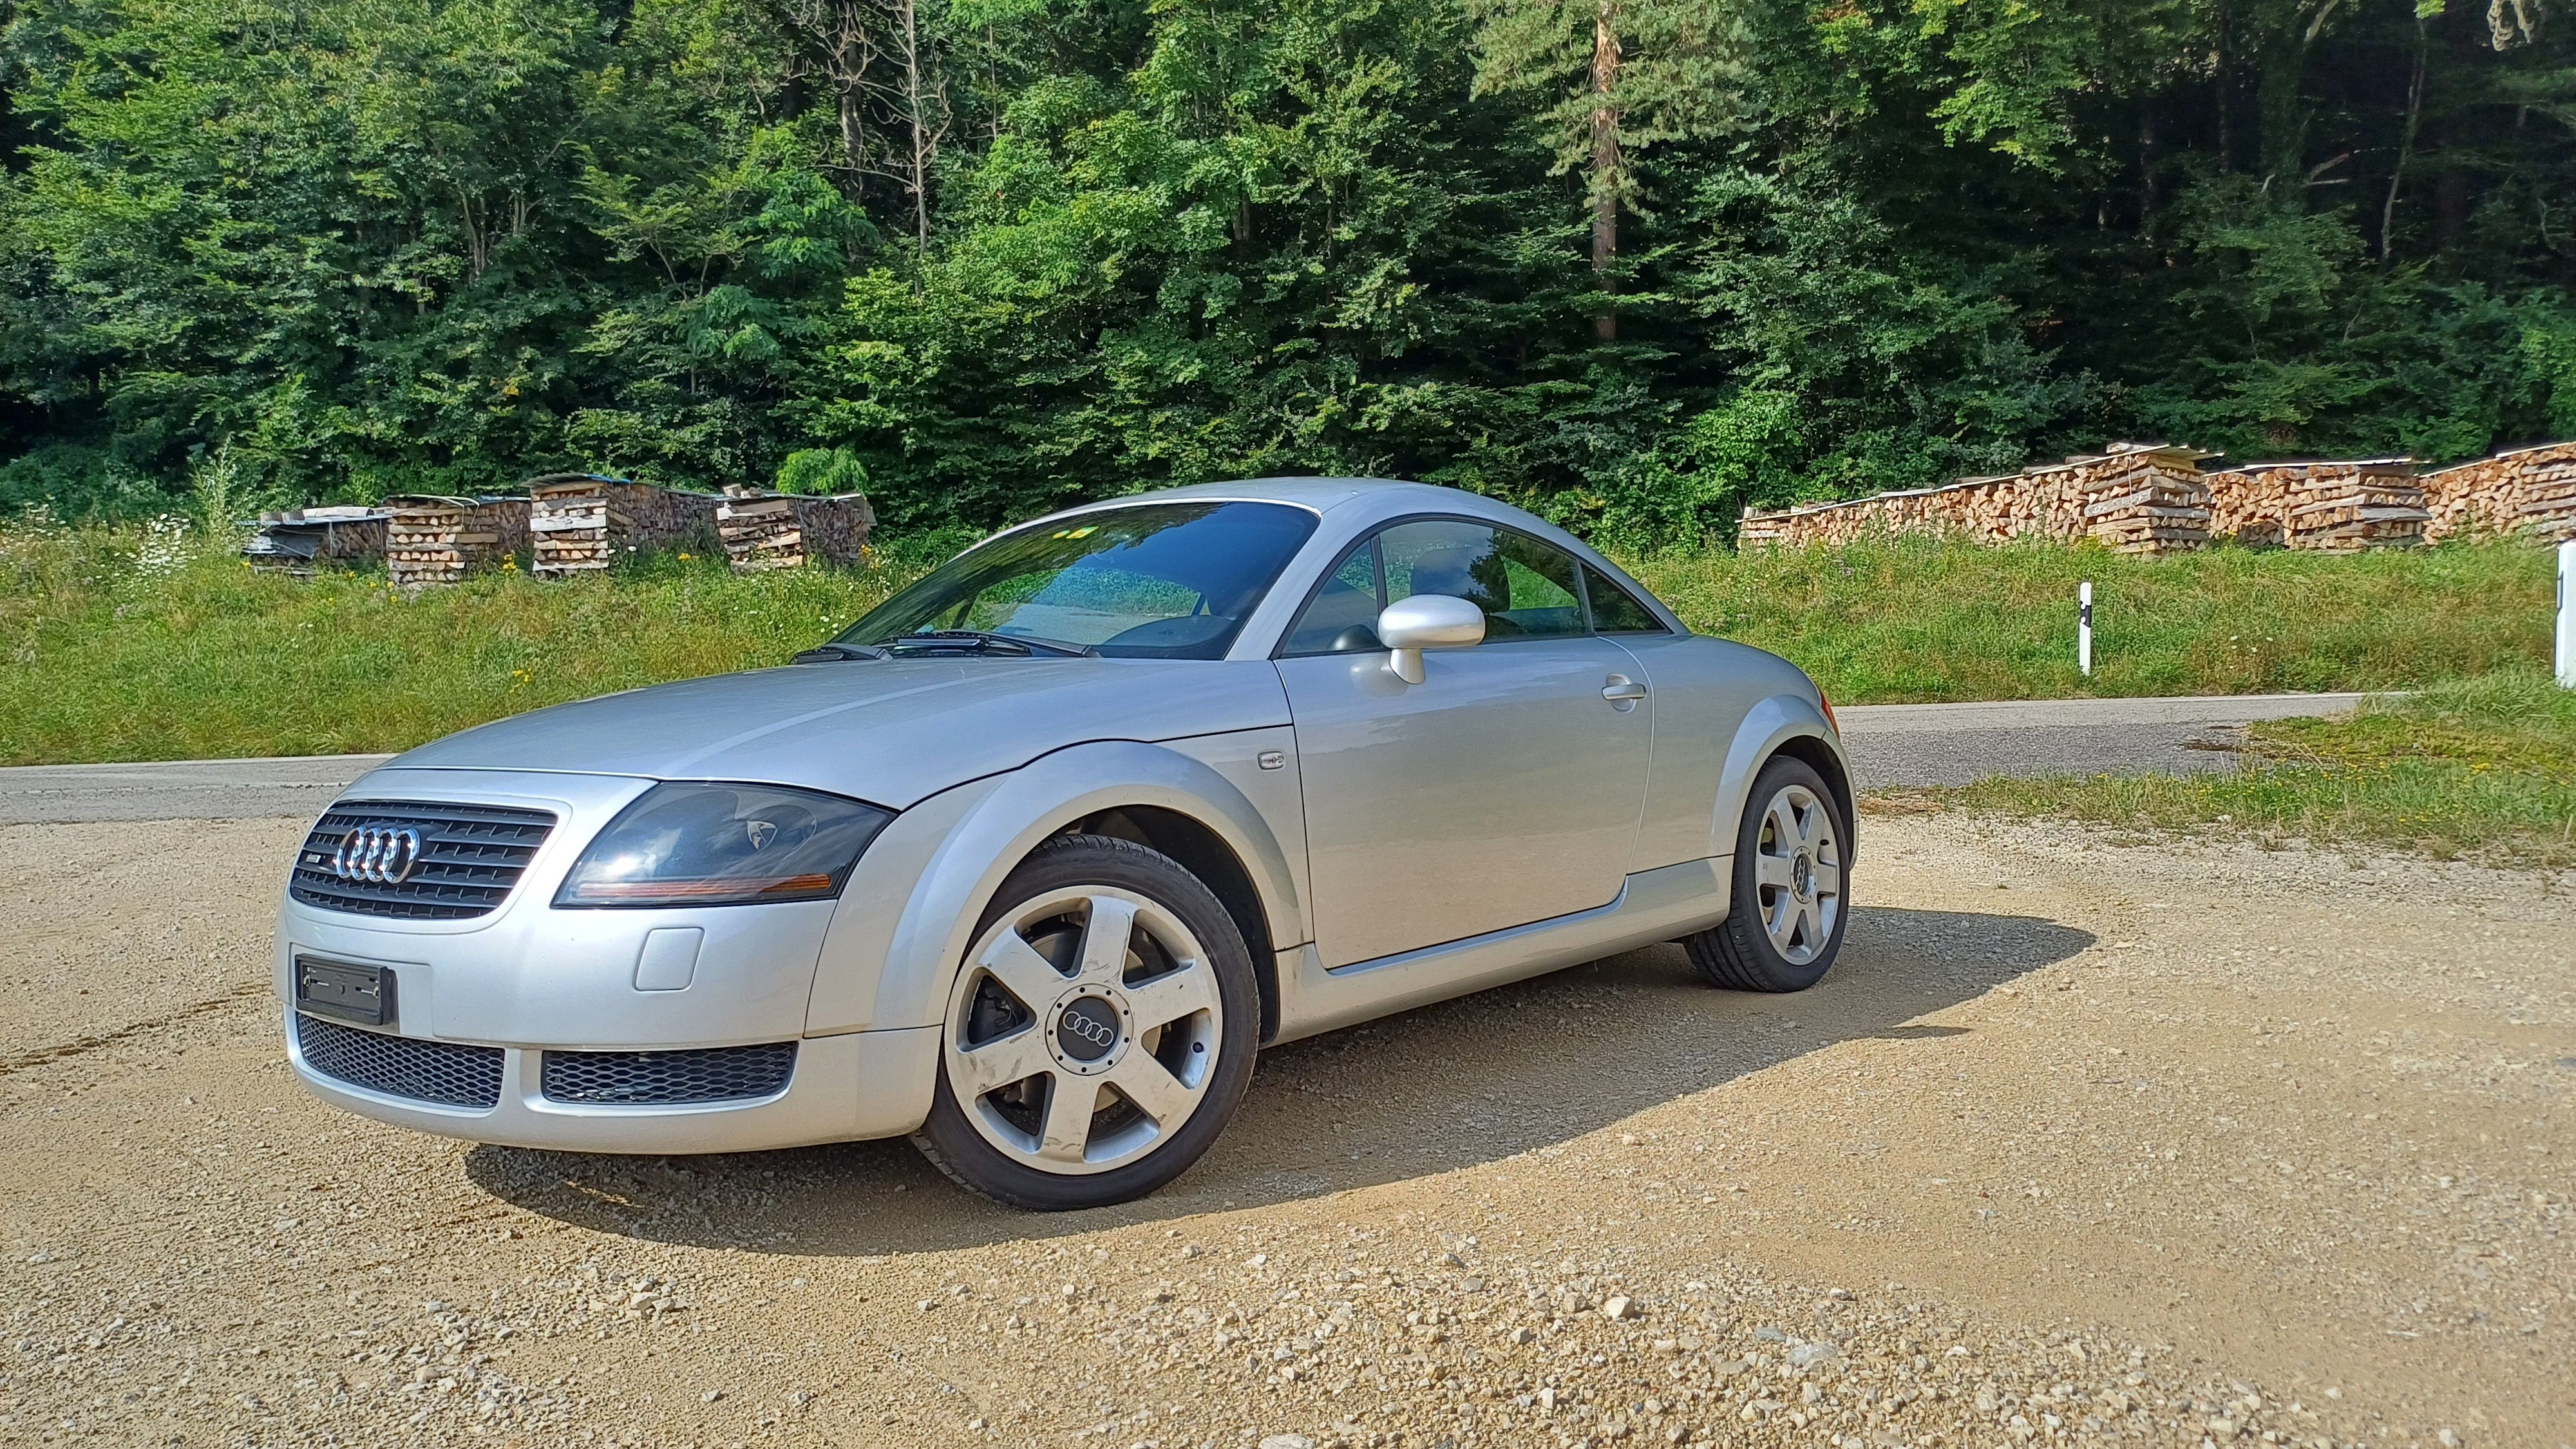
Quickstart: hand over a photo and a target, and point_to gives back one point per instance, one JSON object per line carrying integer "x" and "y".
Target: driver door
{"x": 1503, "y": 790}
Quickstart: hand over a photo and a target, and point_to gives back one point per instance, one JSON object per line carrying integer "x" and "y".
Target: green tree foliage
{"x": 1632, "y": 263}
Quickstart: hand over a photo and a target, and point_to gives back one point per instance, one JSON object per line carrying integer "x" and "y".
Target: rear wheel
{"x": 1785, "y": 924}
{"x": 1101, "y": 1033}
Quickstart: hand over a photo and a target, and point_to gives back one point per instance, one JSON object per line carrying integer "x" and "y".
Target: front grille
{"x": 714, "y": 1074}
{"x": 447, "y": 1073}
{"x": 470, "y": 858}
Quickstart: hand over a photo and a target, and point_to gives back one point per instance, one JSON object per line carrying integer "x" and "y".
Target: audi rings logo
{"x": 1087, "y": 1029}
{"x": 383, "y": 854}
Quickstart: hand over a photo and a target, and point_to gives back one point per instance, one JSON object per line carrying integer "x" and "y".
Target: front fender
{"x": 1018, "y": 813}
{"x": 1771, "y": 723}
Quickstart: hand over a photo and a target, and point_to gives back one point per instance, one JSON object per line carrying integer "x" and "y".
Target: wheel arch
{"x": 1201, "y": 850}
{"x": 1781, "y": 724}
{"x": 1828, "y": 762}
{"x": 1157, "y": 796}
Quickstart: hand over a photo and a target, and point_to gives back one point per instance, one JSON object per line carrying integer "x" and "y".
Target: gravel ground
{"x": 2083, "y": 1142}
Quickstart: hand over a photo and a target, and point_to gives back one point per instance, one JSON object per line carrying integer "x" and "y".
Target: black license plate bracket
{"x": 342, "y": 991}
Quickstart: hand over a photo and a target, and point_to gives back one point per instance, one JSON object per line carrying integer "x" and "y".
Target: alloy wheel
{"x": 1084, "y": 1031}
{"x": 1798, "y": 873}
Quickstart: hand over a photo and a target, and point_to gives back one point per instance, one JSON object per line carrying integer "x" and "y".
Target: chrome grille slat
{"x": 471, "y": 859}
{"x": 705, "y": 1074}
{"x": 451, "y": 1074}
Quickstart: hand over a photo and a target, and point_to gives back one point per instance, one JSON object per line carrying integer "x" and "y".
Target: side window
{"x": 1614, "y": 609}
{"x": 1526, "y": 588}
{"x": 1342, "y": 617}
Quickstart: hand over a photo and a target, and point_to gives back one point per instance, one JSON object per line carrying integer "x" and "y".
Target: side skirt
{"x": 1657, "y": 905}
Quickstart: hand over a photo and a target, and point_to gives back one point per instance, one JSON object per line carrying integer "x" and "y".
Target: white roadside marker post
{"x": 2084, "y": 624}
{"x": 2567, "y": 614}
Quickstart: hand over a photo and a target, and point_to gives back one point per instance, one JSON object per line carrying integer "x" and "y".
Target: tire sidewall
{"x": 1752, "y": 940}
{"x": 1078, "y": 861}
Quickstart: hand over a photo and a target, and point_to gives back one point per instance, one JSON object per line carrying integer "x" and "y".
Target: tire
{"x": 1158, "y": 1039}
{"x": 1777, "y": 937}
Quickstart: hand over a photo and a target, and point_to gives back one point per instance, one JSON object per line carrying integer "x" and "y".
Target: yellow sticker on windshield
{"x": 1086, "y": 531}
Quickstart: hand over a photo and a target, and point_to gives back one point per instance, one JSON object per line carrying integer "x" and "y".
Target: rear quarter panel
{"x": 1721, "y": 710}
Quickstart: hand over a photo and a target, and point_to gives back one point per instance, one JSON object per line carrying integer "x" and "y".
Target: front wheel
{"x": 1785, "y": 923}
{"x": 1101, "y": 1031}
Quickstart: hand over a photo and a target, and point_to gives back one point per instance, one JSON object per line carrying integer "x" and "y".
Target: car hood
{"x": 891, "y": 731}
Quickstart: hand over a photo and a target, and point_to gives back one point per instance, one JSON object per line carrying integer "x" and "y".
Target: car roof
{"x": 1323, "y": 495}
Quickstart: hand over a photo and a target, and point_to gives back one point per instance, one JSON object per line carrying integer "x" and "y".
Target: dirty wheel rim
{"x": 1798, "y": 874}
{"x": 1084, "y": 1030}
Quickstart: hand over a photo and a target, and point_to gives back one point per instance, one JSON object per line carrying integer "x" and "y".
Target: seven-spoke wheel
{"x": 1785, "y": 923}
{"x": 1099, "y": 1033}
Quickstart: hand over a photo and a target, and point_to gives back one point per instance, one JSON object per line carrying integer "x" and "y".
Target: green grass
{"x": 123, "y": 644}
{"x": 111, "y": 656}
{"x": 2483, "y": 768}
{"x": 1916, "y": 620}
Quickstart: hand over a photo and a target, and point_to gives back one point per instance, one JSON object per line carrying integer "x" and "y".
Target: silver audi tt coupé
{"x": 1029, "y": 862}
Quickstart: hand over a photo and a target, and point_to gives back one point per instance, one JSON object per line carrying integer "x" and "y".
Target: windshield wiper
{"x": 981, "y": 640}
{"x": 834, "y": 653}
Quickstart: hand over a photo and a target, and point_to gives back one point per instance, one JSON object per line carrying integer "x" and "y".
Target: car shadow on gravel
{"x": 1515, "y": 1069}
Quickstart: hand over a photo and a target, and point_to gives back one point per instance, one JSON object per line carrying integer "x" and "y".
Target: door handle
{"x": 1622, "y": 691}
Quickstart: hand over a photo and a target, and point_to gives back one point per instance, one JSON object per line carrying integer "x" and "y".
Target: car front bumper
{"x": 843, "y": 1088}
{"x": 527, "y": 979}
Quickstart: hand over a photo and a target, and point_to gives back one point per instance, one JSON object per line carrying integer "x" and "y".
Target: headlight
{"x": 723, "y": 845}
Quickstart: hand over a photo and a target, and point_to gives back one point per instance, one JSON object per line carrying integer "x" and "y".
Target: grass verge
{"x": 1916, "y": 620}
{"x": 133, "y": 646}
{"x": 2482, "y": 768}
{"x": 144, "y": 643}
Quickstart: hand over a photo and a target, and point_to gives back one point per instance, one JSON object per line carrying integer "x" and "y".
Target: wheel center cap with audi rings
{"x": 1802, "y": 875}
{"x": 1090, "y": 1028}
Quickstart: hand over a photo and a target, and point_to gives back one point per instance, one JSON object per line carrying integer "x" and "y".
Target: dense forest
{"x": 1630, "y": 263}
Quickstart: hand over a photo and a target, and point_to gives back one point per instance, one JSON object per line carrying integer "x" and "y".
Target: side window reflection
{"x": 1342, "y": 618}
{"x": 1525, "y": 587}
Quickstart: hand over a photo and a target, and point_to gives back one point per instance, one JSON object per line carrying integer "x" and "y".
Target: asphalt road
{"x": 1891, "y": 745}
{"x": 1953, "y": 744}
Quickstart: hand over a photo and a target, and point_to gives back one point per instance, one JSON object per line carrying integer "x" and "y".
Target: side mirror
{"x": 1427, "y": 621}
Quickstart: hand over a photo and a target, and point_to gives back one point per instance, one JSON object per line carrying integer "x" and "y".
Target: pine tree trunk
{"x": 1606, "y": 162}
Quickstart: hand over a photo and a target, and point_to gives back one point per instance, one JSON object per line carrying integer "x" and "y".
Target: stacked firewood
{"x": 296, "y": 541}
{"x": 2144, "y": 498}
{"x": 762, "y": 530}
{"x": 2527, "y": 490}
{"x": 581, "y": 521}
{"x": 2344, "y": 507}
{"x": 1986, "y": 509}
{"x": 434, "y": 540}
{"x": 2137, "y": 497}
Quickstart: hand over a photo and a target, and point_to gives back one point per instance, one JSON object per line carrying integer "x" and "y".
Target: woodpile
{"x": 2529, "y": 490}
{"x": 580, "y": 521}
{"x": 762, "y": 530}
{"x": 2136, "y": 497}
{"x": 434, "y": 540}
{"x": 298, "y": 540}
{"x": 1989, "y": 510}
{"x": 2333, "y": 507}
{"x": 2146, "y": 498}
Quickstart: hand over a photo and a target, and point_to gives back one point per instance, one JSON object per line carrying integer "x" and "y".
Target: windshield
{"x": 1156, "y": 581}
